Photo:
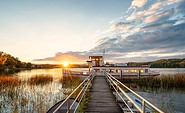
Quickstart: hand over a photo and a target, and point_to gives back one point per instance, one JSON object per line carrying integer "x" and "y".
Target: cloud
{"x": 148, "y": 30}
{"x": 158, "y": 26}
{"x": 159, "y": 17}
{"x": 155, "y": 6}
{"x": 138, "y": 3}
{"x": 122, "y": 26}
{"x": 155, "y": 29}
{"x": 72, "y": 57}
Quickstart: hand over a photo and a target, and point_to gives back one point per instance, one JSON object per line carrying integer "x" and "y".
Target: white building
{"x": 120, "y": 69}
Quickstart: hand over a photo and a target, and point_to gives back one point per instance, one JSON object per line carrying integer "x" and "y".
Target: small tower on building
{"x": 95, "y": 61}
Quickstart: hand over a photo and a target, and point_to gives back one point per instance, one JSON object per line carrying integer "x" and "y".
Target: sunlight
{"x": 65, "y": 64}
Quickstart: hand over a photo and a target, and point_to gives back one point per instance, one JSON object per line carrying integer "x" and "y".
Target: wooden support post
{"x": 121, "y": 74}
{"x": 68, "y": 106}
{"x": 139, "y": 74}
{"x": 143, "y": 106}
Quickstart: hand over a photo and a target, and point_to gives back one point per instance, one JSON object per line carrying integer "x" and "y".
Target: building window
{"x": 126, "y": 70}
{"x": 146, "y": 70}
{"x": 97, "y": 70}
{"x": 133, "y": 71}
{"x": 118, "y": 71}
{"x": 141, "y": 71}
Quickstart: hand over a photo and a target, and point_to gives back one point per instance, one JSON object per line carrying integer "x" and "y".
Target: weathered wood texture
{"x": 102, "y": 99}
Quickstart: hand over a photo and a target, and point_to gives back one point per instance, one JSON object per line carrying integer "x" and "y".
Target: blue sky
{"x": 70, "y": 30}
{"x": 40, "y": 28}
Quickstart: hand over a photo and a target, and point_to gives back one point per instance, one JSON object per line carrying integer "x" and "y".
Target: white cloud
{"x": 148, "y": 30}
{"x": 156, "y": 6}
{"x": 159, "y": 16}
{"x": 138, "y": 3}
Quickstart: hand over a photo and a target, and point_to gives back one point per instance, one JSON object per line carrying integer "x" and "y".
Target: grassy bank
{"x": 163, "y": 81}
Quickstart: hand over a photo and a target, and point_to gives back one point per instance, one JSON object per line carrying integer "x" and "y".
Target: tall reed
{"x": 40, "y": 79}
{"x": 9, "y": 82}
{"x": 163, "y": 81}
{"x": 28, "y": 96}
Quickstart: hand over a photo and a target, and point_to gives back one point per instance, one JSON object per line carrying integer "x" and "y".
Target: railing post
{"x": 117, "y": 93}
{"x": 68, "y": 106}
{"x": 143, "y": 106}
{"x": 121, "y": 74}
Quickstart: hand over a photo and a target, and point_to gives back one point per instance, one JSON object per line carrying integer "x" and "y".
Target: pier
{"x": 101, "y": 97}
{"x": 101, "y": 92}
{"x": 107, "y": 95}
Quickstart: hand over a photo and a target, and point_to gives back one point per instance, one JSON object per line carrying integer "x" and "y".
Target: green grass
{"x": 84, "y": 102}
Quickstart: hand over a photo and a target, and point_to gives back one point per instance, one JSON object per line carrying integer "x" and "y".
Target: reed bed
{"x": 35, "y": 94}
{"x": 163, "y": 81}
{"x": 40, "y": 79}
{"x": 9, "y": 81}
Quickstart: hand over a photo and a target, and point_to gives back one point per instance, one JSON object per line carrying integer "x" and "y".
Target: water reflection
{"x": 25, "y": 74}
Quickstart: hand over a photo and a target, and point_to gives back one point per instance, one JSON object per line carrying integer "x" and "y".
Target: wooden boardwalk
{"x": 102, "y": 99}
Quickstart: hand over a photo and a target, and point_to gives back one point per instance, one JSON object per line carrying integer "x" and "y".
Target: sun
{"x": 65, "y": 64}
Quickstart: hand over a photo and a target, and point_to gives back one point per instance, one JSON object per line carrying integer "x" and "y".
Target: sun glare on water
{"x": 65, "y": 64}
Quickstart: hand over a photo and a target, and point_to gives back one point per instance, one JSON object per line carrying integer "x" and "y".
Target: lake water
{"x": 166, "y": 71}
{"x": 58, "y": 72}
{"x": 33, "y": 98}
{"x": 173, "y": 101}
{"x": 49, "y": 94}
{"x": 25, "y": 74}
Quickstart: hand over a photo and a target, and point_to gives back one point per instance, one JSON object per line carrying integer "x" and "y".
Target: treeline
{"x": 9, "y": 62}
{"x": 162, "y": 63}
{"x": 78, "y": 66}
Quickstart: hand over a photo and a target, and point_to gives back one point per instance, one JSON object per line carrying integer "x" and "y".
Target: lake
{"x": 58, "y": 72}
{"x": 166, "y": 71}
{"x": 171, "y": 100}
{"x": 26, "y": 97}
{"x": 41, "y": 98}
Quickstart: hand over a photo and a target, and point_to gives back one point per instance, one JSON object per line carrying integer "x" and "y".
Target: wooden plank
{"x": 102, "y": 99}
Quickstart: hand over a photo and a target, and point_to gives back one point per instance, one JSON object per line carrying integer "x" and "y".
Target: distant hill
{"x": 162, "y": 63}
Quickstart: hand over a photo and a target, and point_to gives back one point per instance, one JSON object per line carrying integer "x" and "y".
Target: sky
{"x": 32, "y": 29}
{"x": 54, "y": 31}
